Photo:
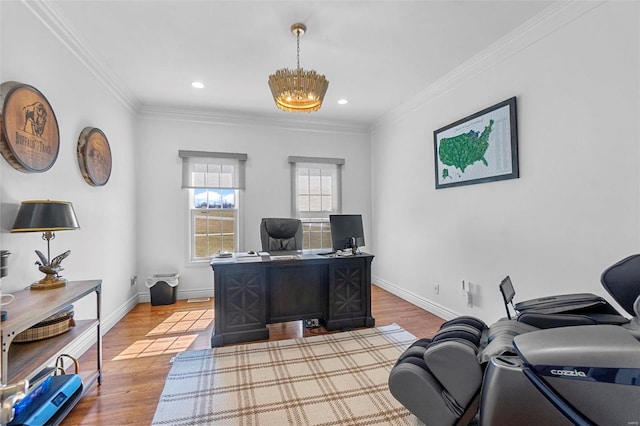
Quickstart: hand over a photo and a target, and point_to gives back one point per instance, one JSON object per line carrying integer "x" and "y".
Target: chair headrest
{"x": 281, "y": 228}
{"x": 622, "y": 281}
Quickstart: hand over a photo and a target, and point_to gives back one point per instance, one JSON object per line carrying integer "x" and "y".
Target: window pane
{"x": 200, "y": 223}
{"x": 214, "y": 242}
{"x": 213, "y": 227}
{"x": 315, "y": 185}
{"x": 326, "y": 203}
{"x": 213, "y": 180}
{"x": 303, "y": 203}
{"x": 303, "y": 184}
{"x": 198, "y": 179}
{"x": 326, "y": 237}
{"x": 326, "y": 185}
{"x": 226, "y": 176}
{"x": 227, "y": 224}
{"x": 214, "y": 168}
{"x": 228, "y": 198}
{"x": 201, "y": 247}
{"x": 199, "y": 198}
{"x": 315, "y": 203}
{"x": 316, "y": 234}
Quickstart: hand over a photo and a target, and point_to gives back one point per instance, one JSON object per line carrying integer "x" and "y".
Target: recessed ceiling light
{"x": 198, "y": 85}
{"x": 343, "y": 101}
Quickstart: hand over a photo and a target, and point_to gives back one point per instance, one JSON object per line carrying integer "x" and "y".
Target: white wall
{"x": 105, "y": 246}
{"x": 162, "y": 204}
{"x": 575, "y": 208}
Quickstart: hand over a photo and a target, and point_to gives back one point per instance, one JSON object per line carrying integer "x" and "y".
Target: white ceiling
{"x": 376, "y": 54}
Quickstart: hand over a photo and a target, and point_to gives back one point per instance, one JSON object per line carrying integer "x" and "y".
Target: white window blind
{"x": 221, "y": 170}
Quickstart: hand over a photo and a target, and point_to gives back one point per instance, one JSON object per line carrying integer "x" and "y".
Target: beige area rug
{"x": 332, "y": 379}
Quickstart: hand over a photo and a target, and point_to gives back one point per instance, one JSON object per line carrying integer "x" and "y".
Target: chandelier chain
{"x": 298, "y": 47}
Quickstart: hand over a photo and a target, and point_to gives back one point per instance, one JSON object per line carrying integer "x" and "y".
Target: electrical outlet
{"x": 436, "y": 289}
{"x": 134, "y": 280}
{"x": 312, "y": 323}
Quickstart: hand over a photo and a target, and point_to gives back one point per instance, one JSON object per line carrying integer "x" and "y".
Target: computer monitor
{"x": 344, "y": 229}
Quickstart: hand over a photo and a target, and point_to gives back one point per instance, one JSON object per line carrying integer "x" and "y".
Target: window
{"x": 317, "y": 193}
{"x": 214, "y": 181}
{"x": 214, "y": 221}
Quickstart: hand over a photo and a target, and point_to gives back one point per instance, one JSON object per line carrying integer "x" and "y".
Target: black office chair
{"x": 280, "y": 234}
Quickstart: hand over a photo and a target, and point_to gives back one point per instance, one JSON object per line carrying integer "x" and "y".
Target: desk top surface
{"x": 279, "y": 256}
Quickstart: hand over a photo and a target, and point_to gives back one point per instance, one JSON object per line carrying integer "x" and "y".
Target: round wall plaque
{"x": 30, "y": 138}
{"x": 94, "y": 156}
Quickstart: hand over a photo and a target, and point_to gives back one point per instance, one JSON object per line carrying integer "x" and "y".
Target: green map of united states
{"x": 463, "y": 150}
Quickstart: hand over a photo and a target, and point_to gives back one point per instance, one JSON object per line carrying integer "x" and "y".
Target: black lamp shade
{"x": 47, "y": 215}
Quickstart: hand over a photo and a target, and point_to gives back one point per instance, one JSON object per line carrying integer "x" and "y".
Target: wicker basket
{"x": 54, "y": 325}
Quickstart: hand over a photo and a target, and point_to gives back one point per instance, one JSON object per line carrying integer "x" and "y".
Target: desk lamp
{"x": 47, "y": 217}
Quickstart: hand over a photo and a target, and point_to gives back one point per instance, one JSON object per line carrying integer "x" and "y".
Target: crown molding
{"x": 53, "y": 18}
{"x": 551, "y": 19}
{"x": 288, "y": 122}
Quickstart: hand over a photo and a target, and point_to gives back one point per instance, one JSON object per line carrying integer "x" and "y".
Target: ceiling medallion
{"x": 299, "y": 89}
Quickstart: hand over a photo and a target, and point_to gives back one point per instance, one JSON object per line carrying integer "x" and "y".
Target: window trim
{"x": 316, "y": 217}
{"x": 189, "y": 158}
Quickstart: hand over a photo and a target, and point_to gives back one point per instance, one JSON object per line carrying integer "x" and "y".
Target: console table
{"x": 251, "y": 293}
{"x": 25, "y": 360}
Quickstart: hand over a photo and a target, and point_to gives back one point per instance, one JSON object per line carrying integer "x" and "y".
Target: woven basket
{"x": 54, "y": 325}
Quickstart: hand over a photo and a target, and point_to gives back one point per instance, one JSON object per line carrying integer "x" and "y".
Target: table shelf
{"x": 24, "y": 360}
{"x": 27, "y": 359}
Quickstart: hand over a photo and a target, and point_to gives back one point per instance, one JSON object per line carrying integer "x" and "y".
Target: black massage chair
{"x": 514, "y": 372}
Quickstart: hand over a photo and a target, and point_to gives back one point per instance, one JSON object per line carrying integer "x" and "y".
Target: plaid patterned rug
{"x": 332, "y": 379}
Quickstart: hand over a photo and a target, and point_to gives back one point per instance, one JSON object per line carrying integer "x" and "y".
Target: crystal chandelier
{"x": 298, "y": 90}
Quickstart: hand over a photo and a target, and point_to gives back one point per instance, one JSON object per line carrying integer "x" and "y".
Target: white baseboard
{"x": 414, "y": 299}
{"x": 82, "y": 344}
{"x": 145, "y": 296}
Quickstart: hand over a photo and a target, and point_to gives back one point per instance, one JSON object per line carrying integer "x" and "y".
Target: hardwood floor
{"x": 138, "y": 350}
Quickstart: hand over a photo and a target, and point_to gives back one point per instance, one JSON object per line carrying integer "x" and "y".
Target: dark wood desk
{"x": 251, "y": 294}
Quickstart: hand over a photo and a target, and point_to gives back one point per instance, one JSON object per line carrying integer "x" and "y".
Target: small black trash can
{"x": 4, "y": 262}
{"x": 163, "y": 288}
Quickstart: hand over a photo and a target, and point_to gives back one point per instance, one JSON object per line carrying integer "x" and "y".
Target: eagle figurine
{"x": 53, "y": 268}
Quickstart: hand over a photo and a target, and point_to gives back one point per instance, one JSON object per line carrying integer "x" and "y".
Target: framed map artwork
{"x": 482, "y": 147}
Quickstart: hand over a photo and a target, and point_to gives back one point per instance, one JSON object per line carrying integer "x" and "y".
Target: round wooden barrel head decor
{"x": 94, "y": 156}
{"x": 30, "y": 138}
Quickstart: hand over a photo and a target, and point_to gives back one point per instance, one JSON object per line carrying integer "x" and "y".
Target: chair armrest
{"x": 555, "y": 320}
{"x": 451, "y": 360}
